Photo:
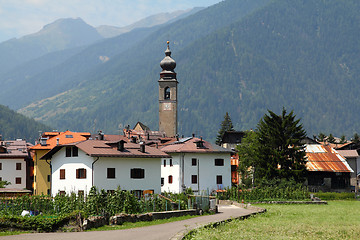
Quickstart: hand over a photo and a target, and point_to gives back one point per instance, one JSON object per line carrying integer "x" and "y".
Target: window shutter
{"x": 84, "y": 173}
{"x": 77, "y": 173}
{"x": 62, "y": 173}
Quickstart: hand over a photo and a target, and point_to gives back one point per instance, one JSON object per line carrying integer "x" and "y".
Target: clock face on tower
{"x": 167, "y": 106}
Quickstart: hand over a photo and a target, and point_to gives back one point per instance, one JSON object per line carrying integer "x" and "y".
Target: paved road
{"x": 173, "y": 230}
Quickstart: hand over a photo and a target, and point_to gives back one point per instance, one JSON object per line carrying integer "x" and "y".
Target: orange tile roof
{"x": 325, "y": 159}
{"x": 64, "y": 138}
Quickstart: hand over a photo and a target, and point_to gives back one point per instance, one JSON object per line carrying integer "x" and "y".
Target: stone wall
{"x": 121, "y": 218}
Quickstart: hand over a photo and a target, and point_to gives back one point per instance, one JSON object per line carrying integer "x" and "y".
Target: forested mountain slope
{"x": 302, "y": 55}
{"x": 14, "y": 125}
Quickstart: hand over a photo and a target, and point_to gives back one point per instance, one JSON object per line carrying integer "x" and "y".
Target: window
{"x": 193, "y": 179}
{"x": 219, "y": 162}
{"x": 137, "y": 173}
{"x": 170, "y": 179}
{"x": 110, "y": 192}
{"x": 18, "y": 166}
{"x": 162, "y": 181}
{"x": 167, "y": 93}
{"x": 69, "y": 136}
{"x": 0, "y": 178}
{"x": 137, "y": 193}
{"x": 171, "y": 164}
{"x": 81, "y": 193}
{"x": 193, "y": 161}
{"x": 164, "y": 162}
{"x": 18, "y": 180}
{"x": 0, "y": 166}
{"x": 72, "y": 152}
{"x": 81, "y": 173}
{"x": 62, "y": 173}
{"x": 48, "y": 192}
{"x": 48, "y": 178}
{"x": 68, "y": 151}
{"x": 218, "y": 179}
{"x": 62, "y": 193}
{"x": 75, "y": 151}
{"x": 111, "y": 173}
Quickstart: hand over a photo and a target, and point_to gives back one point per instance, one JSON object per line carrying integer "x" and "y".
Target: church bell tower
{"x": 168, "y": 95}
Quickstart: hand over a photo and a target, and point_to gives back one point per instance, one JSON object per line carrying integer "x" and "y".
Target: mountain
{"x": 157, "y": 19}
{"x": 124, "y": 89}
{"x": 59, "y": 71}
{"x": 257, "y": 55}
{"x": 59, "y": 35}
{"x": 14, "y": 125}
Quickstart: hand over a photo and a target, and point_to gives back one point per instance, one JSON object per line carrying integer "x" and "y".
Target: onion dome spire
{"x": 168, "y": 64}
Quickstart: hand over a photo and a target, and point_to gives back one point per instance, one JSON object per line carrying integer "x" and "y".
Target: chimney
{"x": 142, "y": 148}
{"x": 43, "y": 141}
{"x": 101, "y": 135}
{"x": 57, "y": 141}
{"x": 120, "y": 146}
{"x": 193, "y": 135}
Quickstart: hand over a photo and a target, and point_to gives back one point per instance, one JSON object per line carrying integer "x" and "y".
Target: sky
{"x": 23, "y": 17}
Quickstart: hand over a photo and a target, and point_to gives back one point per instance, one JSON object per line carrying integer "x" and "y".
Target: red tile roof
{"x": 14, "y": 149}
{"x": 99, "y": 148}
{"x": 190, "y": 145}
{"x": 326, "y": 159}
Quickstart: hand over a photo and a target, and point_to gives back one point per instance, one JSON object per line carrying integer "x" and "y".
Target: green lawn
{"x": 337, "y": 220}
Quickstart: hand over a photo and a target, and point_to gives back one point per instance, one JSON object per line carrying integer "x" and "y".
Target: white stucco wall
{"x": 70, "y": 164}
{"x": 205, "y": 170}
{"x": 123, "y": 166}
{"x": 9, "y": 172}
{"x": 174, "y": 171}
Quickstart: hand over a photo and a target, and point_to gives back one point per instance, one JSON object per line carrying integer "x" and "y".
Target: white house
{"x": 195, "y": 164}
{"x": 14, "y": 164}
{"x": 107, "y": 165}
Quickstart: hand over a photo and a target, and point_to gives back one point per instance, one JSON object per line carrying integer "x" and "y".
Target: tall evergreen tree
{"x": 226, "y": 125}
{"x": 281, "y": 151}
{"x": 356, "y": 138}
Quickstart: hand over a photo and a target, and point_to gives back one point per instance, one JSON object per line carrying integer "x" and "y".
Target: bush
{"x": 37, "y": 223}
{"x": 268, "y": 191}
{"x": 335, "y": 195}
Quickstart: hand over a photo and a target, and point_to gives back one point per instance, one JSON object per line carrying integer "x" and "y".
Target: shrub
{"x": 335, "y": 195}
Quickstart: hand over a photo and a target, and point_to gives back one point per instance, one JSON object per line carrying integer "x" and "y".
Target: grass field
{"x": 337, "y": 220}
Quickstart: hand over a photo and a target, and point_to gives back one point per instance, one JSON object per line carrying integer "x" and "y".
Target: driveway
{"x": 173, "y": 230}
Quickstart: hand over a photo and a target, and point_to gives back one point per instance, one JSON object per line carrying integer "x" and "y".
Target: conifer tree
{"x": 226, "y": 125}
{"x": 281, "y": 151}
{"x": 356, "y": 138}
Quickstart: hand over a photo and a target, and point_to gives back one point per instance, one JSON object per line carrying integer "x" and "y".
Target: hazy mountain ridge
{"x": 151, "y": 21}
{"x": 60, "y": 35}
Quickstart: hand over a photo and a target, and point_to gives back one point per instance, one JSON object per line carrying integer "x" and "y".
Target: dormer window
{"x": 167, "y": 93}
{"x": 200, "y": 144}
